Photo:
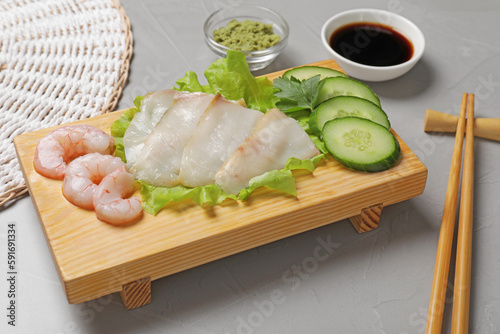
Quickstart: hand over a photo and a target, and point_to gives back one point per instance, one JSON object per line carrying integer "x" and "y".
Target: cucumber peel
{"x": 342, "y": 106}
{"x": 306, "y": 72}
{"x": 361, "y": 144}
{"x": 340, "y": 86}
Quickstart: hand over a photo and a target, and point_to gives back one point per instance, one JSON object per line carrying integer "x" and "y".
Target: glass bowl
{"x": 256, "y": 59}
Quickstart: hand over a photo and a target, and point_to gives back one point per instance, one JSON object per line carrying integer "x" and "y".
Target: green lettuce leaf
{"x": 232, "y": 78}
{"x": 281, "y": 179}
{"x": 320, "y": 145}
{"x": 191, "y": 84}
{"x": 155, "y": 198}
{"x": 307, "y": 164}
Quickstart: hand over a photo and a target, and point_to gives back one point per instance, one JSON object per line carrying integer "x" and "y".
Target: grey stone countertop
{"x": 376, "y": 282}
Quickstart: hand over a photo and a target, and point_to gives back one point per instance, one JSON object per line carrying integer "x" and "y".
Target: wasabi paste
{"x": 247, "y": 35}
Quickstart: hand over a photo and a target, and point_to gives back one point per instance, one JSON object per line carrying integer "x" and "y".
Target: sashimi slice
{"x": 222, "y": 128}
{"x": 275, "y": 139}
{"x": 152, "y": 108}
{"x": 160, "y": 159}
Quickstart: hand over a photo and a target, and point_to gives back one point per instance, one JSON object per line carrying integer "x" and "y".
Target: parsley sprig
{"x": 294, "y": 95}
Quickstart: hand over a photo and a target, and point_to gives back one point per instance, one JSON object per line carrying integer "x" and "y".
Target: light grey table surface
{"x": 377, "y": 282}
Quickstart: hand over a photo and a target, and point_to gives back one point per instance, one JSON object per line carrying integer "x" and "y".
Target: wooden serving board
{"x": 94, "y": 259}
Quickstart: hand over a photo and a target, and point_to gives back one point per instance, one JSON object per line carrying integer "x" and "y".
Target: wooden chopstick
{"x": 461, "y": 294}
{"x": 443, "y": 255}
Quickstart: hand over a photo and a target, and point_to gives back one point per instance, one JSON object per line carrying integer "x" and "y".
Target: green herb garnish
{"x": 295, "y": 95}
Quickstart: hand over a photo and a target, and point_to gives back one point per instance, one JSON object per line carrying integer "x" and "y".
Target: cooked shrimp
{"x": 84, "y": 174}
{"x": 60, "y": 146}
{"x": 110, "y": 202}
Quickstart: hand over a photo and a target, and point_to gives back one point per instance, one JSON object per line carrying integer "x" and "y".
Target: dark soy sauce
{"x": 371, "y": 44}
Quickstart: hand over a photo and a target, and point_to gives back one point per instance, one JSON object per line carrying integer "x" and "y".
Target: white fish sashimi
{"x": 222, "y": 128}
{"x": 153, "y": 106}
{"x": 275, "y": 139}
{"x": 159, "y": 162}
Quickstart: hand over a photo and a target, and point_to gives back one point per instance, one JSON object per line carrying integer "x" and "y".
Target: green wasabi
{"x": 247, "y": 35}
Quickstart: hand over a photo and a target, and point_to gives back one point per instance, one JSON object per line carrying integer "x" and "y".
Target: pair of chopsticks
{"x": 461, "y": 293}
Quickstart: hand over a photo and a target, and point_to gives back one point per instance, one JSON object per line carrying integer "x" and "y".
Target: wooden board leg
{"x": 368, "y": 219}
{"x": 137, "y": 293}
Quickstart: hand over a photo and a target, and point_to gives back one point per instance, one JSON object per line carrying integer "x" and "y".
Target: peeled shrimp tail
{"x": 49, "y": 161}
{"x": 55, "y": 150}
{"x": 110, "y": 202}
{"x": 84, "y": 174}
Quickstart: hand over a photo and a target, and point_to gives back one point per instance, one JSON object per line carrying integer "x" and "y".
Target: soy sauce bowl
{"x": 378, "y": 17}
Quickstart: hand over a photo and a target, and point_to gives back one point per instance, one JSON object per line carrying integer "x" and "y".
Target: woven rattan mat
{"x": 60, "y": 61}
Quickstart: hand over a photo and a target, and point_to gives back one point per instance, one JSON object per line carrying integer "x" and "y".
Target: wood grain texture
{"x": 461, "y": 291}
{"x": 436, "y": 121}
{"x": 94, "y": 259}
{"x": 137, "y": 293}
{"x": 446, "y": 232}
{"x": 368, "y": 219}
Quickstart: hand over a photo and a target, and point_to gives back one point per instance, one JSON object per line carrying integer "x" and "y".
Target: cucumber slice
{"x": 342, "y": 106}
{"x": 306, "y": 72}
{"x": 339, "y": 86}
{"x": 361, "y": 144}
